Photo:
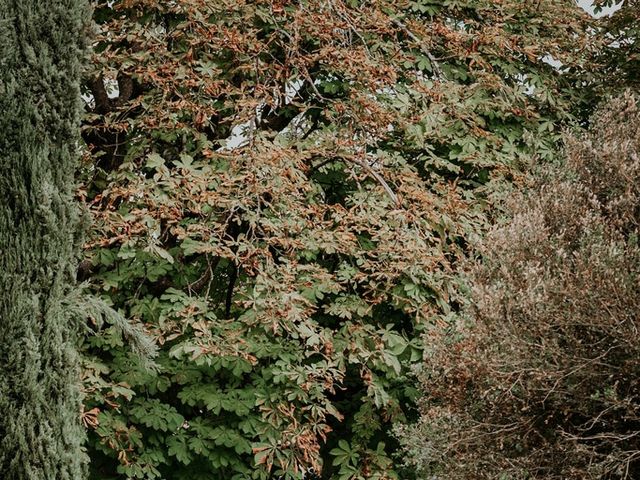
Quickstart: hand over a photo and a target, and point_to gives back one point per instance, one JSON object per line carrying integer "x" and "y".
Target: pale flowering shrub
{"x": 607, "y": 162}
{"x": 540, "y": 375}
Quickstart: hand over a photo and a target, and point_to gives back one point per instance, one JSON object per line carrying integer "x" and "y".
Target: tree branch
{"x": 437, "y": 71}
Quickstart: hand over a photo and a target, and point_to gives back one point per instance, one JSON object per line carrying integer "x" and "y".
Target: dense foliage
{"x": 541, "y": 378}
{"x": 280, "y": 191}
{"x": 619, "y": 60}
{"x": 41, "y": 47}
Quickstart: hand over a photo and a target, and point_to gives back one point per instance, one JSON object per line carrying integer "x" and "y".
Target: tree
{"x": 41, "y": 48}
{"x": 289, "y": 278}
{"x": 619, "y": 60}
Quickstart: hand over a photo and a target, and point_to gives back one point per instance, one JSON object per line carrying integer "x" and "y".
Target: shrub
{"x": 539, "y": 377}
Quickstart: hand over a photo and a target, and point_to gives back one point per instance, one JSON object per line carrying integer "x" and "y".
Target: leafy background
{"x": 281, "y": 193}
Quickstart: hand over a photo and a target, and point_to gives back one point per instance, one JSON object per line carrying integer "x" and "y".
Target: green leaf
{"x": 154, "y": 161}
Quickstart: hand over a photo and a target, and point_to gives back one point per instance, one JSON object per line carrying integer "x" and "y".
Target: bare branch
{"x": 377, "y": 176}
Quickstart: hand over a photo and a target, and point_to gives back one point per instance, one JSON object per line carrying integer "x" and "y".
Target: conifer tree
{"x": 41, "y": 48}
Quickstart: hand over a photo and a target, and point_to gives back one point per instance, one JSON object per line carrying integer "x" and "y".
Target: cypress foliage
{"x": 41, "y": 48}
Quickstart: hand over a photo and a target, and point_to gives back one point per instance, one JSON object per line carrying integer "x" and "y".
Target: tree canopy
{"x": 619, "y": 60}
{"x": 281, "y": 193}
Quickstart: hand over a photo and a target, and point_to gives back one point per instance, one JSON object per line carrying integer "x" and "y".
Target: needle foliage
{"x": 41, "y": 48}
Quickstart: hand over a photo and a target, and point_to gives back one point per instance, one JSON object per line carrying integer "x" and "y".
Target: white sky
{"x": 588, "y": 6}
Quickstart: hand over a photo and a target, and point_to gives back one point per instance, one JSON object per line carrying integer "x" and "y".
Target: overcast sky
{"x": 587, "y": 5}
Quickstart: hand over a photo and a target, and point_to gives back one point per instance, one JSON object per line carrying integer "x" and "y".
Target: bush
{"x": 539, "y": 377}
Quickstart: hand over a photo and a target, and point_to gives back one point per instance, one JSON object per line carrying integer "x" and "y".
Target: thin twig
{"x": 352, "y": 27}
{"x": 378, "y": 177}
{"x": 308, "y": 78}
{"x": 437, "y": 71}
